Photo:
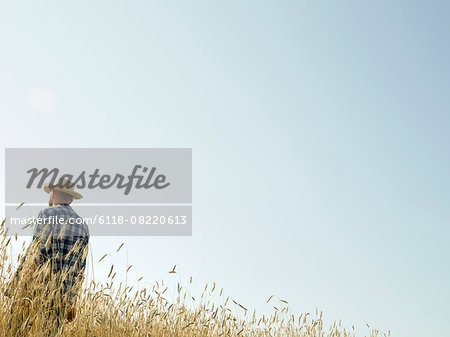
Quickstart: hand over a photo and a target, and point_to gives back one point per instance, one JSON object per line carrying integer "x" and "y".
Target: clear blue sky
{"x": 320, "y": 136}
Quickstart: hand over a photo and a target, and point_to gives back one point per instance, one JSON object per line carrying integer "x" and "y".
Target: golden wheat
{"x": 111, "y": 310}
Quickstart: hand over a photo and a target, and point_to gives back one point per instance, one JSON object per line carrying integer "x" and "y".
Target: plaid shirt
{"x": 64, "y": 242}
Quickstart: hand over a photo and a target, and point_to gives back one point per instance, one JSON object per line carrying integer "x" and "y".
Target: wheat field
{"x": 110, "y": 309}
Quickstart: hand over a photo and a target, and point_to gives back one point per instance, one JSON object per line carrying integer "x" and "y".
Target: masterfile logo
{"x": 104, "y": 175}
{"x": 95, "y": 180}
{"x": 133, "y": 191}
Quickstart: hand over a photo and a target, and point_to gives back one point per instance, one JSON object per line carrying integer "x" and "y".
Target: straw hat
{"x": 63, "y": 185}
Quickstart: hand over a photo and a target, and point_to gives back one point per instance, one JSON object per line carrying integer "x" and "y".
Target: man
{"x": 61, "y": 238}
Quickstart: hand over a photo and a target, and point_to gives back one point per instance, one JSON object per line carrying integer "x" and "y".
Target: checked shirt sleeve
{"x": 42, "y": 233}
{"x": 75, "y": 261}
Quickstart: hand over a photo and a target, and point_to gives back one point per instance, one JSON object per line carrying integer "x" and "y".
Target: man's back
{"x": 64, "y": 239}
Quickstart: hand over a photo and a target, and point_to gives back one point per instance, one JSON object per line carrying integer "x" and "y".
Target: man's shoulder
{"x": 47, "y": 211}
{"x": 81, "y": 224}
{"x": 60, "y": 211}
{"x": 77, "y": 226}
